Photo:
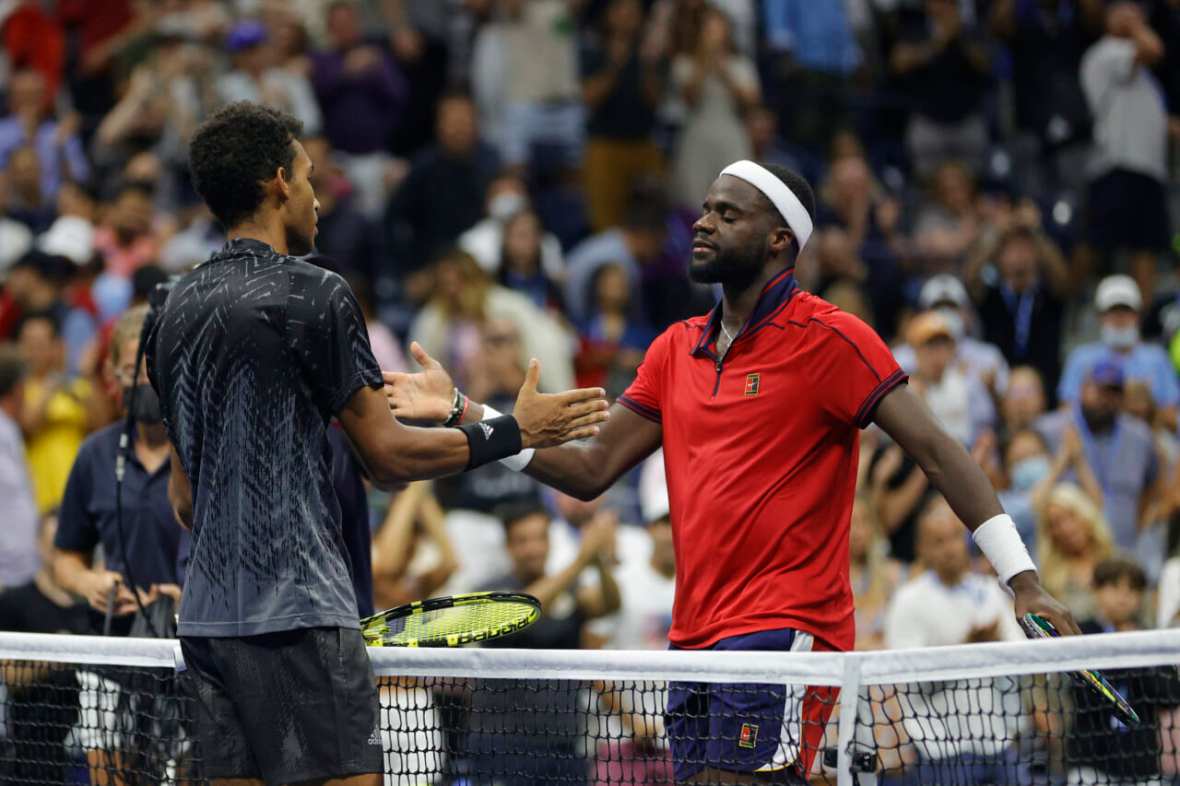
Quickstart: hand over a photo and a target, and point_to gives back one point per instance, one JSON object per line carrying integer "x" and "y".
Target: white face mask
{"x": 1120, "y": 338}
{"x": 954, "y": 321}
{"x": 504, "y": 206}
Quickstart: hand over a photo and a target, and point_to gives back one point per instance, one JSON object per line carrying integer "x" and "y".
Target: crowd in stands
{"x": 998, "y": 186}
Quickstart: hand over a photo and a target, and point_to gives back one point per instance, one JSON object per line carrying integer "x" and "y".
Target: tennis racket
{"x": 451, "y": 621}
{"x": 1037, "y": 627}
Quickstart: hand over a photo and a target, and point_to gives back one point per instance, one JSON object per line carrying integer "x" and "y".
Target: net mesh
{"x": 78, "y": 710}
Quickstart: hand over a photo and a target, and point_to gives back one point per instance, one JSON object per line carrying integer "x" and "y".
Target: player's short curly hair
{"x": 235, "y": 151}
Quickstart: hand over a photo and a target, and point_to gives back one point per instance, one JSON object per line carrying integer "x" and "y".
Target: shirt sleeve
{"x": 853, "y": 368}
{"x": 645, "y": 394}
{"x": 76, "y": 530}
{"x": 332, "y": 343}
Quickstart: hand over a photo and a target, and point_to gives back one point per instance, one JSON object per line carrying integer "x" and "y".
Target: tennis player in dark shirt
{"x": 252, "y": 354}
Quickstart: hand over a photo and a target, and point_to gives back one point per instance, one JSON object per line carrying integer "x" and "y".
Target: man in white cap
{"x": 1120, "y": 305}
{"x": 946, "y": 294}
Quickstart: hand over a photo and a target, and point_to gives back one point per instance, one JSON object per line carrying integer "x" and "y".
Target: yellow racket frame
{"x": 452, "y": 620}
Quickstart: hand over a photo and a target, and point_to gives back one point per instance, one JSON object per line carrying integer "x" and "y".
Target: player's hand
{"x": 1032, "y": 597}
{"x": 549, "y": 420}
{"x": 426, "y": 395}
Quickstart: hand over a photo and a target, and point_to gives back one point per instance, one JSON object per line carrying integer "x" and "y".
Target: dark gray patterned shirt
{"x": 252, "y": 354}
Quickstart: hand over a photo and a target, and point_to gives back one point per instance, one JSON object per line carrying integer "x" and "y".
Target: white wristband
{"x": 515, "y": 463}
{"x": 999, "y": 541}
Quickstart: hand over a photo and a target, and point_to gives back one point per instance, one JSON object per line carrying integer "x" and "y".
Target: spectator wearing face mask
{"x": 1120, "y": 306}
{"x": 507, "y": 198}
{"x": 947, "y": 296}
{"x": 1028, "y": 464}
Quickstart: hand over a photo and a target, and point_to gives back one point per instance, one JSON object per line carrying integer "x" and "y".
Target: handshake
{"x": 545, "y": 420}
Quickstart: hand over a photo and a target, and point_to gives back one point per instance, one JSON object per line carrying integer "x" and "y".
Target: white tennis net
{"x": 994, "y": 713}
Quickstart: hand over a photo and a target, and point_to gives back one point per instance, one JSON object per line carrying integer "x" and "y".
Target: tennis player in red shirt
{"x": 758, "y": 406}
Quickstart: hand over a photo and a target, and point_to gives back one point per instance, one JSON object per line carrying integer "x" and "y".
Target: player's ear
{"x": 280, "y": 184}
{"x": 781, "y": 240}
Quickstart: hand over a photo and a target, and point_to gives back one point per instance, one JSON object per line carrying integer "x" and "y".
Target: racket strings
{"x": 466, "y": 621}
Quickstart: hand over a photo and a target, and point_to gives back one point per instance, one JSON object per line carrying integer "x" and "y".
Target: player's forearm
{"x": 960, "y": 480}
{"x": 577, "y": 469}
{"x": 421, "y": 454}
{"x": 569, "y": 468}
{"x": 906, "y": 418}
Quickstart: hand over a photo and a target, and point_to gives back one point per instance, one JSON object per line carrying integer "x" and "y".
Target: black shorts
{"x": 1128, "y": 210}
{"x": 286, "y": 707}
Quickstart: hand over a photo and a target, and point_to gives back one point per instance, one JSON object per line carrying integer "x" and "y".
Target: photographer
{"x": 90, "y": 518}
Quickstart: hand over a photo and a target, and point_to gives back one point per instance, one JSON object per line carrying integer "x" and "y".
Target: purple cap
{"x": 1107, "y": 372}
{"x": 244, "y": 35}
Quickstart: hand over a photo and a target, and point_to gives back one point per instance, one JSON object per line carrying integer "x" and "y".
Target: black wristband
{"x": 492, "y": 440}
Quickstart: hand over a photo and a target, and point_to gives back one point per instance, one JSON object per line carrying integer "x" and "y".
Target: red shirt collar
{"x": 771, "y": 301}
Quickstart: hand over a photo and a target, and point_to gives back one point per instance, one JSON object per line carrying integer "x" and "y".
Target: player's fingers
{"x": 582, "y": 394}
{"x": 1065, "y": 621}
{"x": 422, "y": 357}
{"x": 586, "y": 408}
{"x": 592, "y": 419}
{"x": 394, "y": 378}
{"x": 532, "y": 377}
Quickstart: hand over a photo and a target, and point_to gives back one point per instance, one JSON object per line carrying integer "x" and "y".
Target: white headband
{"x": 779, "y": 194}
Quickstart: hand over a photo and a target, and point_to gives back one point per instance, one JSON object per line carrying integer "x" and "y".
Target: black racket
{"x": 1037, "y": 627}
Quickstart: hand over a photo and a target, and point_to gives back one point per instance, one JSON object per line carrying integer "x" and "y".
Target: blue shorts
{"x": 749, "y": 727}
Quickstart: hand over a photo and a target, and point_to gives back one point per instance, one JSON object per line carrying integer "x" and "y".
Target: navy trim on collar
{"x": 773, "y": 299}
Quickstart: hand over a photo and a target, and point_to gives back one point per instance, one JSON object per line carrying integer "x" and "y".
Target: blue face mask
{"x": 1028, "y": 472}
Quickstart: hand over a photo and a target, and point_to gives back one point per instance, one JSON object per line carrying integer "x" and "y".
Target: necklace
{"x": 726, "y": 332}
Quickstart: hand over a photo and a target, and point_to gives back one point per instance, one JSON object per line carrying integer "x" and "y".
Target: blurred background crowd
{"x": 505, "y": 179}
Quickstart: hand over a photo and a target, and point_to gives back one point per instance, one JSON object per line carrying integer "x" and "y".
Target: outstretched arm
{"x": 394, "y": 453}
{"x": 952, "y": 471}
{"x": 588, "y": 468}
{"x": 582, "y": 469}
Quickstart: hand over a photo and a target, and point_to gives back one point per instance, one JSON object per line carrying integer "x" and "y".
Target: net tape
{"x": 969, "y": 714}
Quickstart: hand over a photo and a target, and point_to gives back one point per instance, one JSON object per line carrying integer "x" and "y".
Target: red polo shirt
{"x": 761, "y": 456}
